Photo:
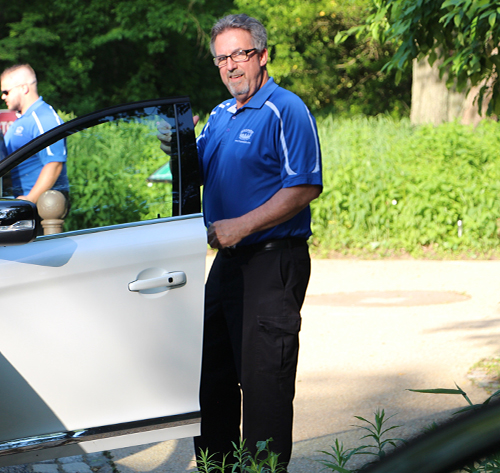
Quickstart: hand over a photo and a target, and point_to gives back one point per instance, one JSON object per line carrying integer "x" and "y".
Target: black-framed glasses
{"x": 237, "y": 56}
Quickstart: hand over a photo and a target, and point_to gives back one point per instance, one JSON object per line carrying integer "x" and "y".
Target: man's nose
{"x": 230, "y": 64}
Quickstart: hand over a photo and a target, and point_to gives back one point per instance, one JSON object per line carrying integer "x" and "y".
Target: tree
{"x": 343, "y": 78}
{"x": 97, "y": 53}
{"x": 462, "y": 35}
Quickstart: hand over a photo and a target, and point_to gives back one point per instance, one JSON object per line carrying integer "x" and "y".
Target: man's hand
{"x": 282, "y": 206}
{"x": 46, "y": 180}
{"x": 165, "y": 136}
{"x": 224, "y": 233}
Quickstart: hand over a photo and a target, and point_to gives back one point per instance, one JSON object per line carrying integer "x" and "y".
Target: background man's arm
{"x": 46, "y": 180}
{"x": 282, "y": 206}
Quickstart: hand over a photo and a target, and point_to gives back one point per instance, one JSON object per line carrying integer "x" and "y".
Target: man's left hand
{"x": 224, "y": 233}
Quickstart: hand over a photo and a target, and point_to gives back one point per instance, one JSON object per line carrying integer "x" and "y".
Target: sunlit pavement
{"x": 370, "y": 331}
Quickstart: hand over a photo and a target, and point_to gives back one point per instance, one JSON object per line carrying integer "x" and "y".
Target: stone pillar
{"x": 52, "y": 208}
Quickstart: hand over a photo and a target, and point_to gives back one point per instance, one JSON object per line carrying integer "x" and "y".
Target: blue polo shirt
{"x": 248, "y": 154}
{"x": 38, "y": 119}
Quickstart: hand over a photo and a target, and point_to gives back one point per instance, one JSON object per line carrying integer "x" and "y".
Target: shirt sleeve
{"x": 44, "y": 122}
{"x": 299, "y": 144}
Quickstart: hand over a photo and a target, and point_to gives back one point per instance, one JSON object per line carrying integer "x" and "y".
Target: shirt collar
{"x": 259, "y": 99}
{"x": 34, "y": 106}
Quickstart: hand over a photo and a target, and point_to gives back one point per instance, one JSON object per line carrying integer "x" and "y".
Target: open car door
{"x": 101, "y": 324}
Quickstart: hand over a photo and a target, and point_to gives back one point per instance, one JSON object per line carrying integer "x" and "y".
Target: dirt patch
{"x": 386, "y": 298}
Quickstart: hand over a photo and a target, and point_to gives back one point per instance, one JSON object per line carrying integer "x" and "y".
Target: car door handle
{"x": 170, "y": 280}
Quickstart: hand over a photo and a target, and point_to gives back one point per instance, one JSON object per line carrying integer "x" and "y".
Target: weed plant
{"x": 339, "y": 457}
{"x": 379, "y": 446}
{"x": 264, "y": 460}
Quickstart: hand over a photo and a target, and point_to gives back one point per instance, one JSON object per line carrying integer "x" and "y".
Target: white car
{"x": 101, "y": 327}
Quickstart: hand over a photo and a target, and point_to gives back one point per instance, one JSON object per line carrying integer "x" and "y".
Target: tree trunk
{"x": 433, "y": 102}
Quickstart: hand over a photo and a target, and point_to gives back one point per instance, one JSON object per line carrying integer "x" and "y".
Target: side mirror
{"x": 18, "y": 222}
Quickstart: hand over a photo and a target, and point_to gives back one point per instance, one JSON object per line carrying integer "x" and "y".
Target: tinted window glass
{"x": 116, "y": 170}
{"x": 118, "y": 173}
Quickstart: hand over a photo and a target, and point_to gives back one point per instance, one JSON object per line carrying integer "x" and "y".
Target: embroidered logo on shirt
{"x": 19, "y": 130}
{"x": 245, "y": 136}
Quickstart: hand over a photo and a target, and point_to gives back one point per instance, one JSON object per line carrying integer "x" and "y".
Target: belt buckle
{"x": 230, "y": 250}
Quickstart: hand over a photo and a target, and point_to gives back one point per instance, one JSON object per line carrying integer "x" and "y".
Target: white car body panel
{"x": 81, "y": 351}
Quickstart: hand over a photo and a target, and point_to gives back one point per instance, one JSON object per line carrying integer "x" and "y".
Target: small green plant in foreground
{"x": 376, "y": 431}
{"x": 489, "y": 464}
{"x": 471, "y": 406}
{"x": 264, "y": 460}
{"x": 339, "y": 456}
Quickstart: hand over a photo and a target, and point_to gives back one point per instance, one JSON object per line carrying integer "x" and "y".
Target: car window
{"x": 116, "y": 170}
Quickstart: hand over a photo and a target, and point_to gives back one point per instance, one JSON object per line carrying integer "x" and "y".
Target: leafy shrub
{"x": 108, "y": 167}
{"x": 389, "y": 187}
{"x": 392, "y": 187}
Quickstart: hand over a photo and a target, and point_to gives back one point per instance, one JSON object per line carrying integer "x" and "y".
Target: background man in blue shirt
{"x": 261, "y": 167}
{"x": 47, "y": 169}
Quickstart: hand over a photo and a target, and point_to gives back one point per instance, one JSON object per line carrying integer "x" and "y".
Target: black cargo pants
{"x": 250, "y": 347}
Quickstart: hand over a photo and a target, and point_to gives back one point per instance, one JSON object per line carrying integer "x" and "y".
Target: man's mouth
{"x": 235, "y": 75}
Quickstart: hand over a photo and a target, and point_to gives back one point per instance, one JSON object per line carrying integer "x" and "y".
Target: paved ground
{"x": 371, "y": 330}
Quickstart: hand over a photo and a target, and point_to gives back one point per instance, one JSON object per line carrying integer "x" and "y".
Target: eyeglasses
{"x": 6, "y": 92}
{"x": 237, "y": 56}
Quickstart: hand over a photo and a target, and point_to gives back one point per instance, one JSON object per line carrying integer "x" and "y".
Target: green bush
{"x": 108, "y": 167}
{"x": 390, "y": 187}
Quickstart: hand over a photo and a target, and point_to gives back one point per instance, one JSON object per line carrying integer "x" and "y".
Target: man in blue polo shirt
{"x": 47, "y": 169}
{"x": 261, "y": 167}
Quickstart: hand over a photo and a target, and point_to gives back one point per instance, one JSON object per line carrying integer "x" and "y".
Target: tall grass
{"x": 391, "y": 188}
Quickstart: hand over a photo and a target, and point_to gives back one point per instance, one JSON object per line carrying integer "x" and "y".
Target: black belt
{"x": 265, "y": 246}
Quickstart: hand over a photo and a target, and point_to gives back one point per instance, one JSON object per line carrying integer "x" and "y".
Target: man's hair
{"x": 29, "y": 70}
{"x": 245, "y": 22}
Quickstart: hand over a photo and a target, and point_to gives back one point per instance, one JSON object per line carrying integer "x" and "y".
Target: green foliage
{"x": 377, "y": 430}
{"x": 390, "y": 187}
{"x": 463, "y": 34}
{"x": 489, "y": 464}
{"x": 107, "y": 168}
{"x": 340, "y": 456}
{"x": 470, "y": 407}
{"x": 264, "y": 460}
{"x": 344, "y": 78}
{"x": 89, "y": 55}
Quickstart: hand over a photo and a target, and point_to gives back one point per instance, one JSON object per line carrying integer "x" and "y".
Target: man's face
{"x": 243, "y": 79}
{"x": 14, "y": 97}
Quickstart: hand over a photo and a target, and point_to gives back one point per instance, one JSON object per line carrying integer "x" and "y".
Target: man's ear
{"x": 264, "y": 56}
